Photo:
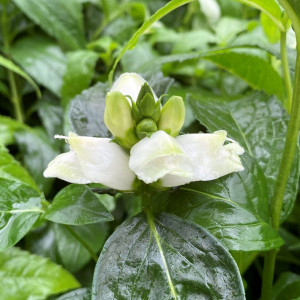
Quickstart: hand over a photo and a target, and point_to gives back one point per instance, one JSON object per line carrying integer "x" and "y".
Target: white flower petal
{"x": 211, "y": 159}
{"x": 129, "y": 84}
{"x": 152, "y": 158}
{"x": 66, "y": 167}
{"x": 103, "y": 161}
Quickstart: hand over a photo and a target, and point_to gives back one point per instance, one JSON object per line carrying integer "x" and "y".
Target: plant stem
{"x": 286, "y": 72}
{"x": 282, "y": 178}
{"x": 83, "y": 243}
{"x": 14, "y": 96}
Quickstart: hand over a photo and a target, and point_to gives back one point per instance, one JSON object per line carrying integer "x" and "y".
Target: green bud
{"x": 145, "y": 128}
{"x": 172, "y": 116}
{"x": 118, "y": 119}
{"x": 147, "y": 105}
{"x": 145, "y": 89}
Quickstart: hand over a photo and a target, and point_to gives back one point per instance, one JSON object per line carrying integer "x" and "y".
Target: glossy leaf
{"x": 27, "y": 276}
{"x": 259, "y": 124}
{"x": 43, "y": 59}
{"x": 51, "y": 115}
{"x": 38, "y": 150}
{"x": 61, "y": 19}
{"x": 8, "y": 64}
{"x": 11, "y": 169}
{"x": 80, "y": 294}
{"x": 71, "y": 250}
{"x": 234, "y": 208}
{"x": 269, "y": 7}
{"x": 164, "y": 258}
{"x": 287, "y": 287}
{"x": 20, "y": 207}
{"x": 79, "y": 73}
{"x": 87, "y": 112}
{"x": 77, "y": 205}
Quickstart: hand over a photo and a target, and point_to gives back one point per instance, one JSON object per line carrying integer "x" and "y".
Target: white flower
{"x": 173, "y": 161}
{"x": 187, "y": 158}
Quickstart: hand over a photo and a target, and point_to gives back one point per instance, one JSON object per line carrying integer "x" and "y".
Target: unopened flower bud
{"x": 147, "y": 105}
{"x": 145, "y": 89}
{"x": 145, "y": 128}
{"x": 118, "y": 119}
{"x": 172, "y": 116}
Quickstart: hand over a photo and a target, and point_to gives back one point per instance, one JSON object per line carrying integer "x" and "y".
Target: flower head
{"x": 147, "y": 147}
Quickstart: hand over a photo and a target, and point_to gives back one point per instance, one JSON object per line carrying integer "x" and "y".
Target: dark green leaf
{"x": 80, "y": 294}
{"x": 28, "y": 276}
{"x": 259, "y": 124}
{"x": 77, "y": 205}
{"x": 287, "y": 287}
{"x": 79, "y": 73}
{"x": 51, "y": 115}
{"x": 61, "y": 19}
{"x": 43, "y": 59}
{"x": 234, "y": 208}
{"x": 87, "y": 112}
{"x": 38, "y": 150}
{"x": 20, "y": 207}
{"x": 72, "y": 252}
{"x": 165, "y": 258}
{"x": 65, "y": 245}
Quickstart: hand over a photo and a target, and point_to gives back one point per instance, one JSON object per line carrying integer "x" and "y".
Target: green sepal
{"x": 147, "y": 105}
{"x": 145, "y": 89}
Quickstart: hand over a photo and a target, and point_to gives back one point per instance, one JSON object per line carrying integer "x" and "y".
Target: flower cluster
{"x": 146, "y": 144}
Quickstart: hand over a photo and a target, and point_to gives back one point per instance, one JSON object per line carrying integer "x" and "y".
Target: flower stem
{"x": 286, "y": 72}
{"x": 83, "y": 243}
{"x": 282, "y": 178}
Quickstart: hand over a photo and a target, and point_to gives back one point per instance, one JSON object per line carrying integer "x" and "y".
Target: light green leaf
{"x": 27, "y": 276}
{"x": 292, "y": 8}
{"x": 259, "y": 124}
{"x": 20, "y": 207}
{"x": 170, "y": 6}
{"x": 8, "y": 64}
{"x": 79, "y": 73}
{"x": 8, "y": 127}
{"x": 165, "y": 257}
{"x": 269, "y": 7}
{"x": 234, "y": 208}
{"x": 271, "y": 30}
{"x": 61, "y": 19}
{"x": 11, "y": 169}
{"x": 77, "y": 205}
{"x": 43, "y": 59}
